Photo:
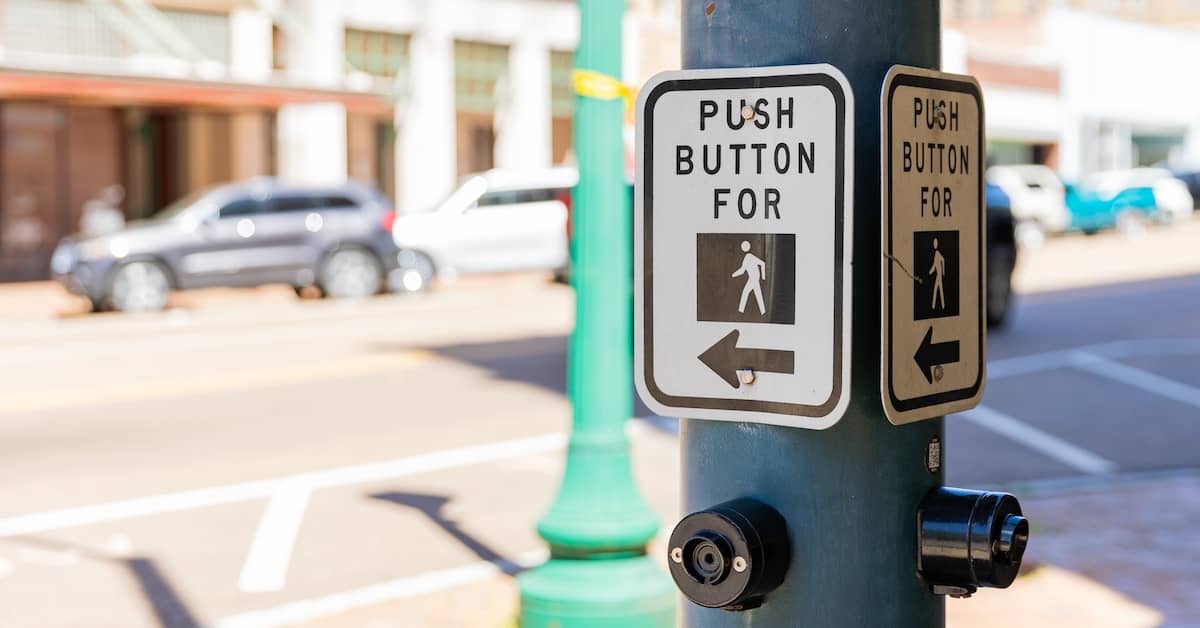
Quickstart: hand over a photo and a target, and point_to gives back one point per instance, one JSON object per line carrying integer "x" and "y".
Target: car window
{"x": 502, "y": 197}
{"x": 334, "y": 202}
{"x": 512, "y": 197}
{"x": 539, "y": 196}
{"x": 181, "y": 205}
{"x": 294, "y": 203}
{"x": 241, "y": 207}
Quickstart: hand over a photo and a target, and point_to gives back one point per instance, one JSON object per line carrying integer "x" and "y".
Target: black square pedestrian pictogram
{"x": 935, "y": 264}
{"x": 746, "y": 277}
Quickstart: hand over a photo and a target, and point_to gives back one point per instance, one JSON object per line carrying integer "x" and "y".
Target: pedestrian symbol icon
{"x": 746, "y": 277}
{"x": 938, "y": 270}
{"x": 755, "y": 271}
{"x": 935, "y": 287}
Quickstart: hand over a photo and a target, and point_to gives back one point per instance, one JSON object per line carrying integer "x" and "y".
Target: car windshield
{"x": 464, "y": 196}
{"x": 179, "y": 206}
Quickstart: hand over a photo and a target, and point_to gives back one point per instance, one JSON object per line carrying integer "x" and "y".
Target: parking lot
{"x": 248, "y": 459}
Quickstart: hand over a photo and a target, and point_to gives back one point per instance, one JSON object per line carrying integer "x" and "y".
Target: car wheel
{"x": 1131, "y": 223}
{"x": 139, "y": 287}
{"x": 1001, "y": 258}
{"x": 1030, "y": 234}
{"x": 414, "y": 272}
{"x": 350, "y": 274}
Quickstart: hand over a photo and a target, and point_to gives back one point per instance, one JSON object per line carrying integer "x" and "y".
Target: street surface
{"x": 249, "y": 459}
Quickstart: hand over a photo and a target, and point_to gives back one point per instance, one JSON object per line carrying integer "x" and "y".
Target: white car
{"x": 1038, "y": 200}
{"x": 496, "y": 221}
{"x": 1171, "y": 196}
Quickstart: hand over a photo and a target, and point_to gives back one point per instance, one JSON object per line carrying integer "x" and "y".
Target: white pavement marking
{"x": 271, "y": 551}
{"x": 316, "y": 608}
{"x": 1068, "y": 454}
{"x": 36, "y": 523}
{"x": 1027, "y": 364}
{"x": 6, "y": 567}
{"x": 1145, "y": 348}
{"x": 1136, "y": 377}
{"x": 1064, "y": 358}
{"x": 48, "y": 557}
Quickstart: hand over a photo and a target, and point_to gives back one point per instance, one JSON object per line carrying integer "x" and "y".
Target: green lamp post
{"x": 599, "y": 575}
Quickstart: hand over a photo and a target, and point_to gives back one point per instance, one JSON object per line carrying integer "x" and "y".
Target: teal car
{"x": 1092, "y": 211}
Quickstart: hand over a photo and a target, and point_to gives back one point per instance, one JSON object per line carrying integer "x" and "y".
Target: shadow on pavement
{"x": 540, "y": 360}
{"x": 169, "y": 608}
{"x": 431, "y": 506}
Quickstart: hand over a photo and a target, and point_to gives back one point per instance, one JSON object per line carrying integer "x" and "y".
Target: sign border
{"x": 819, "y": 75}
{"x": 901, "y": 411}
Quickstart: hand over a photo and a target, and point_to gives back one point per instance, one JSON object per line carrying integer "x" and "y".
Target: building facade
{"x": 147, "y": 102}
{"x": 1082, "y": 86}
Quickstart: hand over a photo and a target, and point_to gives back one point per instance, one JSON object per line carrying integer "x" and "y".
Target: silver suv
{"x": 238, "y": 235}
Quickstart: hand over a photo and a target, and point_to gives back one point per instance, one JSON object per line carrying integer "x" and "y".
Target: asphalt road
{"x": 1086, "y": 382}
{"x": 284, "y": 462}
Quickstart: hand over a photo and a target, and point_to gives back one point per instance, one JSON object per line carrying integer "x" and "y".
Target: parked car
{"x": 1172, "y": 201}
{"x": 1191, "y": 179}
{"x": 496, "y": 221}
{"x": 1094, "y": 210}
{"x": 241, "y": 234}
{"x": 1001, "y": 254}
{"x": 1038, "y": 200}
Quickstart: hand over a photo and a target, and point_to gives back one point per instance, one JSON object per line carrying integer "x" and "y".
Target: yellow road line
{"x": 209, "y": 383}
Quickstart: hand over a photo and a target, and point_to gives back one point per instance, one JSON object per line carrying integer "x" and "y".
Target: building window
{"x": 63, "y": 28}
{"x": 562, "y": 104}
{"x": 479, "y": 73}
{"x": 207, "y": 32}
{"x": 562, "y": 95}
{"x": 377, "y": 53}
{"x": 480, "y": 80}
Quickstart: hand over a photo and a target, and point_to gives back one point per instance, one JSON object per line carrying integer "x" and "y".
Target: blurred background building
{"x": 164, "y": 98}
{"x": 1082, "y": 85}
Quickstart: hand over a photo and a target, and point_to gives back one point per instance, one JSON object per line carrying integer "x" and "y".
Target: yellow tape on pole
{"x": 592, "y": 84}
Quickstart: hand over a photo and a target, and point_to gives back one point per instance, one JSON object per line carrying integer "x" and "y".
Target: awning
{"x": 139, "y": 91}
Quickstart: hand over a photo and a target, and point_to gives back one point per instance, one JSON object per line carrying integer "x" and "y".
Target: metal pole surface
{"x": 599, "y": 575}
{"x": 850, "y": 493}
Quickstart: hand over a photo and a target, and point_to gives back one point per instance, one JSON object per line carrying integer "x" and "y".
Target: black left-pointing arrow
{"x": 931, "y": 354}
{"x": 725, "y": 359}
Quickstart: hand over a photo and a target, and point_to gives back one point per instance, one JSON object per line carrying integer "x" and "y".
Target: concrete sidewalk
{"x": 1077, "y": 260}
{"x": 1114, "y": 553}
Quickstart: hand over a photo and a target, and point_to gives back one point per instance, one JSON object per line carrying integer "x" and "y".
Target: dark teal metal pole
{"x": 849, "y": 493}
